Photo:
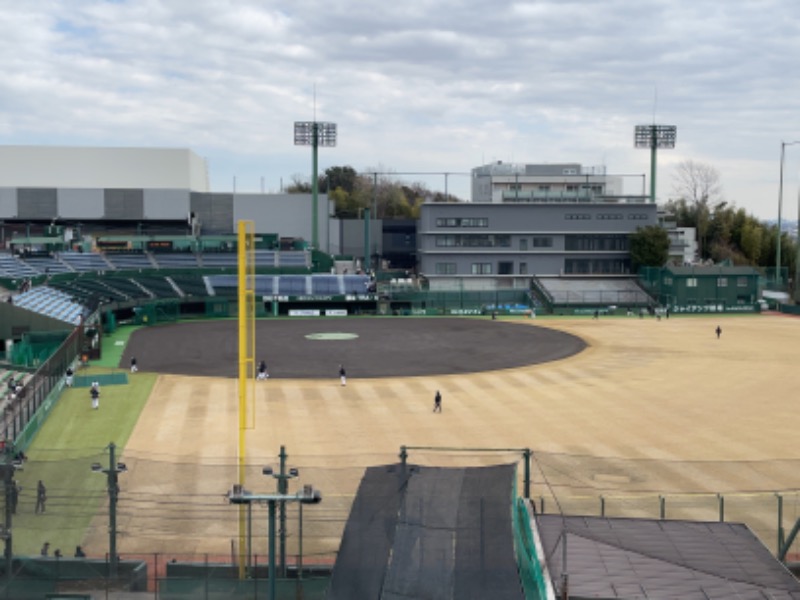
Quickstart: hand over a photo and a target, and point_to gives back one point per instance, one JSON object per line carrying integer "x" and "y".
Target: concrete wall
{"x": 13, "y": 316}
{"x": 289, "y": 215}
{"x": 166, "y": 204}
{"x": 80, "y": 203}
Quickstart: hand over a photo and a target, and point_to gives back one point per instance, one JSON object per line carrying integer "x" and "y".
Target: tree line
{"x": 725, "y": 233}
{"x": 353, "y": 192}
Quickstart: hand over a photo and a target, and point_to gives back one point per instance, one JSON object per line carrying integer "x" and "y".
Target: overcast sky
{"x": 415, "y": 85}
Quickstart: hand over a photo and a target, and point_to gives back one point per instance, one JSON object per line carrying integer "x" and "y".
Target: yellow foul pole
{"x": 247, "y": 348}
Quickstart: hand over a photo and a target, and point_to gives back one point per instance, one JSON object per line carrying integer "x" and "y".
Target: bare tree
{"x": 698, "y": 185}
{"x": 697, "y": 182}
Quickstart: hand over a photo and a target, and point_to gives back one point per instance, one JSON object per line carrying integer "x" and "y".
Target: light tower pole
{"x": 314, "y": 134}
{"x": 654, "y": 137}
{"x": 780, "y": 214}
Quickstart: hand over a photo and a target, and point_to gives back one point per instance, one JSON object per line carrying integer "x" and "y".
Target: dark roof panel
{"x": 646, "y": 558}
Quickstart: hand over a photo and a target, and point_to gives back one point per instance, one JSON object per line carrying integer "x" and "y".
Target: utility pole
{"x": 112, "y": 472}
{"x": 112, "y": 510}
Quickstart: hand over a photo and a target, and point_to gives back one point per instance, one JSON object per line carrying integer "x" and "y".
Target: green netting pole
{"x": 8, "y": 480}
{"x": 721, "y": 508}
{"x": 662, "y": 501}
{"x": 602, "y": 506}
{"x": 272, "y": 550}
{"x": 283, "y": 489}
{"x": 780, "y": 521}
{"x": 112, "y": 509}
{"x": 527, "y": 490}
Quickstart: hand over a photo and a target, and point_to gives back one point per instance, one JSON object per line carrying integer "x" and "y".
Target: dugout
{"x": 459, "y": 302}
{"x": 703, "y": 289}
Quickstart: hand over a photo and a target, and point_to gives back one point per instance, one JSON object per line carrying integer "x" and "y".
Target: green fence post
{"x": 721, "y": 499}
{"x": 662, "y": 501}
{"x": 780, "y": 521}
{"x": 527, "y": 490}
{"x": 602, "y": 506}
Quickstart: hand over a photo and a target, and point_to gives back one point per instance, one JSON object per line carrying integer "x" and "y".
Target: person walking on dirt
{"x": 437, "y": 402}
{"x": 262, "y": 371}
{"x": 342, "y": 375}
{"x": 94, "y": 392}
{"x": 41, "y": 497}
{"x": 719, "y": 331}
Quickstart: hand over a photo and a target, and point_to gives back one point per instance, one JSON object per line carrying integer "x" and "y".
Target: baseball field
{"x": 626, "y": 415}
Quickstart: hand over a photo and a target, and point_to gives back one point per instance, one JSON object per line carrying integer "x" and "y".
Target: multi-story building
{"x": 501, "y": 182}
{"x": 578, "y": 224}
{"x": 140, "y": 190}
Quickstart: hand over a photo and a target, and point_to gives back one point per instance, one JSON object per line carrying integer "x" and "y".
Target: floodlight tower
{"x": 314, "y": 134}
{"x": 654, "y": 136}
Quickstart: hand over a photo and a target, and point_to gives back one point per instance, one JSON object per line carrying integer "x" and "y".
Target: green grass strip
{"x": 73, "y": 437}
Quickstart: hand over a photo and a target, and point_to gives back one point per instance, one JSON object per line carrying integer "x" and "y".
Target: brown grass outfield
{"x": 650, "y": 407}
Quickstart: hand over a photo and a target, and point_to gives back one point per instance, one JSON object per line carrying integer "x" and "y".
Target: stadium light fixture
{"x": 780, "y": 211}
{"x": 654, "y": 137}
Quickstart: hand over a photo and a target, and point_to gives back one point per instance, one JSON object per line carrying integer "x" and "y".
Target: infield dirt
{"x": 646, "y": 408}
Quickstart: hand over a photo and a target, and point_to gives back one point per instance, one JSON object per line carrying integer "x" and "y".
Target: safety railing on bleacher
{"x": 38, "y": 394}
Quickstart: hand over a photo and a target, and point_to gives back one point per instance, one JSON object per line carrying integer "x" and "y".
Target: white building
{"x": 500, "y": 182}
{"x": 97, "y": 168}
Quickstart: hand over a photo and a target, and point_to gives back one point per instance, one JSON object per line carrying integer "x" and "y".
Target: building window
{"x": 667, "y": 280}
{"x": 637, "y": 217}
{"x": 523, "y": 244}
{"x": 481, "y": 268}
{"x": 570, "y": 171}
{"x": 602, "y": 243}
{"x": 722, "y": 282}
{"x": 542, "y": 242}
{"x": 741, "y": 282}
{"x": 523, "y": 268}
{"x": 691, "y": 282}
{"x": 577, "y": 217}
{"x": 474, "y": 240}
{"x": 466, "y": 222}
{"x": 445, "y": 268}
{"x": 505, "y": 268}
{"x": 597, "y": 266}
{"x": 609, "y": 217}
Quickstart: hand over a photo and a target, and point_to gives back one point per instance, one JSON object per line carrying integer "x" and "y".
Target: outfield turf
{"x": 73, "y": 437}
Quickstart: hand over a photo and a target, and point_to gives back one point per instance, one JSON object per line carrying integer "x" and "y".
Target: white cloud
{"x": 416, "y": 85}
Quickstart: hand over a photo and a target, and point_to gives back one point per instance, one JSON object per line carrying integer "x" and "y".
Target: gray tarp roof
{"x": 429, "y": 532}
{"x": 643, "y": 558}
